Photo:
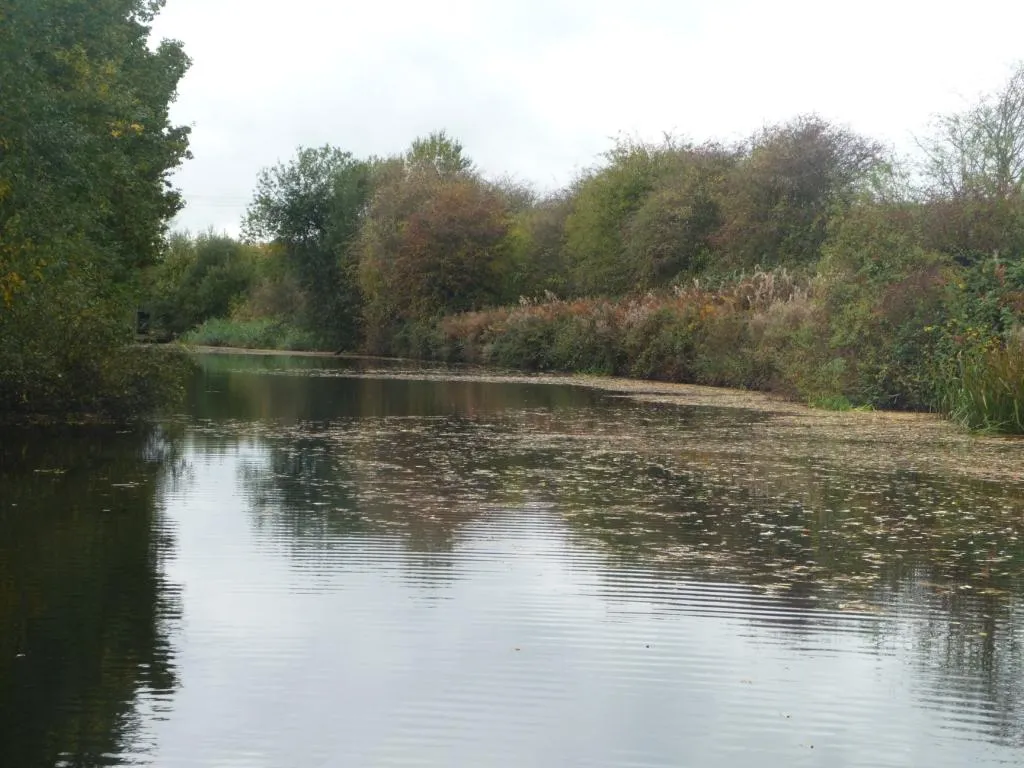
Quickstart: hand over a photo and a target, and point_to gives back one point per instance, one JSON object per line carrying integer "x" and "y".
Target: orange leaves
{"x": 448, "y": 251}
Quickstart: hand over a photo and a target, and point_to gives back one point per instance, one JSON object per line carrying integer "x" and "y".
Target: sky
{"x": 538, "y": 89}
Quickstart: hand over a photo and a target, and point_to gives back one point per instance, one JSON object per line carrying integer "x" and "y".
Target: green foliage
{"x": 791, "y": 182}
{"x": 437, "y": 154}
{"x": 885, "y": 293}
{"x": 536, "y": 242}
{"x": 85, "y": 152}
{"x": 985, "y": 389}
{"x": 524, "y": 344}
{"x": 263, "y": 333}
{"x": 68, "y": 353}
{"x": 197, "y": 279}
{"x": 669, "y": 236}
{"x": 832, "y": 403}
{"x": 603, "y": 204}
{"x": 660, "y": 344}
{"x": 310, "y": 208}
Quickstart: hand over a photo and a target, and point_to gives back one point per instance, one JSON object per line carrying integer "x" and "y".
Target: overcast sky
{"x": 537, "y": 88}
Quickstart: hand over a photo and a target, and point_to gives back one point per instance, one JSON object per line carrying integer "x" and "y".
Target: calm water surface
{"x": 320, "y": 566}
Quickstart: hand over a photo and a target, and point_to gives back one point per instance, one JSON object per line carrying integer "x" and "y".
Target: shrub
{"x": 985, "y": 389}
{"x": 199, "y": 278}
{"x": 252, "y": 334}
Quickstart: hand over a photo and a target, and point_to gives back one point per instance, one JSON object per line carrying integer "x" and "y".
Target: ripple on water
{"x": 383, "y": 572}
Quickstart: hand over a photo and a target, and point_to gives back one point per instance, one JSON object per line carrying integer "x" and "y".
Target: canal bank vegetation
{"x": 806, "y": 261}
{"x": 85, "y": 150}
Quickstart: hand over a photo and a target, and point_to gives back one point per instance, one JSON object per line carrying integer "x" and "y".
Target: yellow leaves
{"x": 119, "y": 128}
{"x": 10, "y": 284}
{"x": 707, "y": 310}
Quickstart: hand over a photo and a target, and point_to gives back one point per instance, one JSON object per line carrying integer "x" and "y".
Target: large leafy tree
{"x": 86, "y": 147}
{"x": 311, "y": 208}
{"x": 646, "y": 217}
{"x": 795, "y": 178}
{"x": 434, "y": 240}
{"x": 603, "y": 202}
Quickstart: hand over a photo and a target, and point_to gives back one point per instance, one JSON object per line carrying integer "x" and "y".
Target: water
{"x": 322, "y": 564}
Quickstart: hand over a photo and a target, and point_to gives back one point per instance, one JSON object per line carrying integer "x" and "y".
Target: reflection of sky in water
{"x": 317, "y": 567}
{"x": 329, "y": 629}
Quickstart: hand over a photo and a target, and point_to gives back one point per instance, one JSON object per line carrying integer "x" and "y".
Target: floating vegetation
{"x": 660, "y": 499}
{"x": 837, "y": 508}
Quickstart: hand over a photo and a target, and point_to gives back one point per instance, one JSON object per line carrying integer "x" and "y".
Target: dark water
{"x": 317, "y": 569}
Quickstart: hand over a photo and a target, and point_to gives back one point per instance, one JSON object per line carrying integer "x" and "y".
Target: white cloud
{"x": 536, "y": 89}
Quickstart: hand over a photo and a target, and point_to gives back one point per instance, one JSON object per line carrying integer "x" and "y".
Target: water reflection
{"x": 85, "y": 610}
{"x": 674, "y": 514}
{"x": 385, "y": 571}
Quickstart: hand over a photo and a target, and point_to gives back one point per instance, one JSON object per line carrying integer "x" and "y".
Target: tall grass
{"x": 262, "y": 333}
{"x": 758, "y": 332}
{"x": 986, "y": 390}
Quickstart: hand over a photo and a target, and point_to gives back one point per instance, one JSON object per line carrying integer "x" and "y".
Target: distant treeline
{"x": 805, "y": 260}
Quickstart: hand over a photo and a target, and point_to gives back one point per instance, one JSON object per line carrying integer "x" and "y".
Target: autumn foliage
{"x": 801, "y": 260}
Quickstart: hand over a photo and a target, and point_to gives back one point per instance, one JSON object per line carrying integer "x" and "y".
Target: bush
{"x": 197, "y": 279}
{"x": 252, "y": 334}
{"x": 523, "y": 341}
{"x": 985, "y": 389}
{"x": 66, "y": 353}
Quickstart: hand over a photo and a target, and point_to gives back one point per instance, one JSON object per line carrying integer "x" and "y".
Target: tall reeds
{"x": 986, "y": 389}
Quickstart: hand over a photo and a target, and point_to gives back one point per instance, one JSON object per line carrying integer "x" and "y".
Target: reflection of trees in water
{"x": 969, "y": 650}
{"x": 252, "y": 389}
{"x": 85, "y": 610}
{"x": 405, "y": 479}
{"x": 790, "y": 526}
{"x": 676, "y": 492}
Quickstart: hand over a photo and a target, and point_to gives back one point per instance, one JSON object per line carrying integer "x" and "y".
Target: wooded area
{"x": 806, "y": 260}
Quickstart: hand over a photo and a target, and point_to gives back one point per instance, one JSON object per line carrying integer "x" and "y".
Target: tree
{"x": 199, "y": 278}
{"x": 792, "y": 180}
{"x": 437, "y": 154}
{"x": 86, "y": 148}
{"x": 537, "y": 248}
{"x": 974, "y": 170}
{"x": 312, "y": 207}
{"x": 670, "y": 235}
{"x": 603, "y": 202}
{"x": 979, "y": 153}
{"x": 434, "y": 240}
{"x": 452, "y": 253}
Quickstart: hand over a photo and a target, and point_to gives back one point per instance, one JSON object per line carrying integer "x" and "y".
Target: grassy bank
{"x": 262, "y": 333}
